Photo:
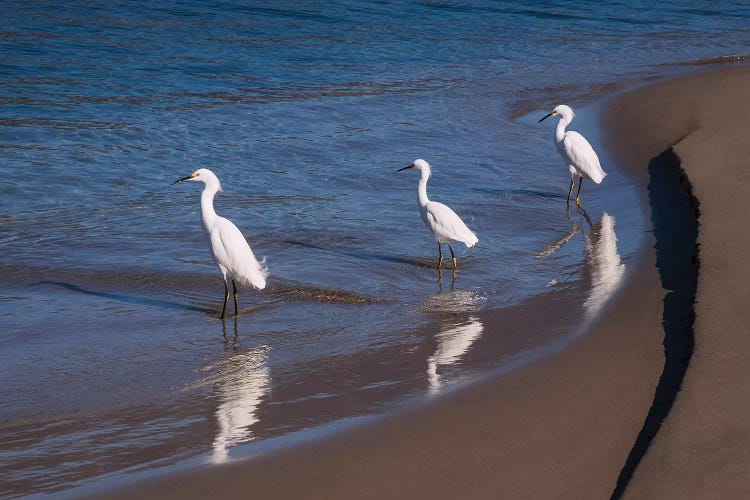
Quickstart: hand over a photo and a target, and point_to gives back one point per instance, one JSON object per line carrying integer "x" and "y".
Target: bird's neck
{"x": 208, "y": 214}
{"x": 422, "y": 191}
{"x": 560, "y": 130}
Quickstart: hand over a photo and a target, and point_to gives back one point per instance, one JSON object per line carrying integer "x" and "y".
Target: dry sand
{"x": 703, "y": 448}
{"x": 563, "y": 427}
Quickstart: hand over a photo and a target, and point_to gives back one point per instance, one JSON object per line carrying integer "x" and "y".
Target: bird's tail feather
{"x": 599, "y": 178}
{"x": 253, "y": 273}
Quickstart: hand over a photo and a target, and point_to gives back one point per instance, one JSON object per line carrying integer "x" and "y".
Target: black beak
{"x": 402, "y": 169}
{"x": 183, "y": 179}
{"x": 546, "y": 116}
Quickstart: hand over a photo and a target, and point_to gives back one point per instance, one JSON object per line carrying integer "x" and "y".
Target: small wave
{"x": 239, "y": 201}
{"x": 60, "y": 124}
{"x": 12, "y": 298}
{"x": 296, "y": 291}
{"x": 294, "y": 93}
{"x": 189, "y": 291}
{"x": 400, "y": 259}
{"x": 731, "y": 59}
{"x": 454, "y": 301}
{"x": 29, "y": 147}
{"x": 530, "y": 99}
{"x": 510, "y": 192}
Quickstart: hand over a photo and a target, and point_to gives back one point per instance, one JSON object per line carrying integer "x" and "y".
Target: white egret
{"x": 229, "y": 248}
{"x": 576, "y": 151}
{"x": 439, "y": 218}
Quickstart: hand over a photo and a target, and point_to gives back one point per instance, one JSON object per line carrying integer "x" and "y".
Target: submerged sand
{"x": 564, "y": 427}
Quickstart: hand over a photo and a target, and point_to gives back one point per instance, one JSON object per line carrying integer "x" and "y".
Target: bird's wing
{"x": 238, "y": 258}
{"x": 582, "y": 156}
{"x": 448, "y": 225}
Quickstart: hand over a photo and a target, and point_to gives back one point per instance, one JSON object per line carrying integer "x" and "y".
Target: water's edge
{"x": 527, "y": 314}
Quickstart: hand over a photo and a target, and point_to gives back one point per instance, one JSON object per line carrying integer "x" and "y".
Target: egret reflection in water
{"x": 558, "y": 243}
{"x": 602, "y": 260}
{"x": 242, "y": 383}
{"x": 605, "y": 263}
{"x": 452, "y": 345}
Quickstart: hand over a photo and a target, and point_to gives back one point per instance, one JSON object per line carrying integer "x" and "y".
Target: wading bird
{"x": 439, "y": 218}
{"x": 576, "y": 151}
{"x": 229, "y": 248}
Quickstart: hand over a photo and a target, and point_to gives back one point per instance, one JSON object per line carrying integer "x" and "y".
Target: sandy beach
{"x": 564, "y": 427}
{"x": 703, "y": 448}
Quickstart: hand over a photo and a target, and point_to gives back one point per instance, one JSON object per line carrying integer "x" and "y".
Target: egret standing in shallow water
{"x": 229, "y": 248}
{"x": 439, "y": 218}
{"x": 576, "y": 151}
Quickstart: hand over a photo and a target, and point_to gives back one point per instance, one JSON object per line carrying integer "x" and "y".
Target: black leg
{"x": 226, "y": 298}
{"x": 578, "y": 195}
{"x": 453, "y": 258}
{"x": 234, "y": 288}
{"x": 440, "y": 258}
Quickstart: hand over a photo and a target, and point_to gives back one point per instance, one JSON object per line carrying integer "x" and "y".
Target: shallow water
{"x": 111, "y": 339}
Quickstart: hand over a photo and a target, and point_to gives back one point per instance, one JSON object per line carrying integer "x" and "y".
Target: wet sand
{"x": 566, "y": 426}
{"x": 562, "y": 426}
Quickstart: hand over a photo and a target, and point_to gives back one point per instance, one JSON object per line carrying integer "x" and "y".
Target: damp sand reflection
{"x": 453, "y": 343}
{"x": 241, "y": 382}
{"x": 603, "y": 263}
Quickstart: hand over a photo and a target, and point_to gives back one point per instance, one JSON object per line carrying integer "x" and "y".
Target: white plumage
{"x": 576, "y": 151}
{"x": 229, "y": 248}
{"x": 444, "y": 223}
{"x": 233, "y": 255}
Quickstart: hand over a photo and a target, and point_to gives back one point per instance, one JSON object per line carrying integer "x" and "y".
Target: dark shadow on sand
{"x": 674, "y": 213}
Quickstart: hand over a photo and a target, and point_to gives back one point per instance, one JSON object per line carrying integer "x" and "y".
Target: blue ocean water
{"x": 304, "y": 110}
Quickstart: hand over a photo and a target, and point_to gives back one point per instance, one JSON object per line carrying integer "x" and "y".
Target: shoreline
{"x": 561, "y": 427}
{"x": 509, "y": 422}
{"x": 468, "y": 435}
{"x": 452, "y": 356}
{"x": 452, "y": 350}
